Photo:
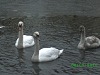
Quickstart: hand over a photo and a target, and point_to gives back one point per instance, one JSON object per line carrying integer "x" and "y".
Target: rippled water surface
{"x": 58, "y": 23}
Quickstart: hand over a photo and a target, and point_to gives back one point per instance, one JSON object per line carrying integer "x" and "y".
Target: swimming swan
{"x": 23, "y": 41}
{"x": 87, "y": 42}
{"x": 45, "y": 54}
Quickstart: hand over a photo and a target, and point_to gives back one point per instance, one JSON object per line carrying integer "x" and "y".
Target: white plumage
{"x": 23, "y": 41}
{"x": 27, "y": 41}
{"x": 49, "y": 54}
{"x": 44, "y": 54}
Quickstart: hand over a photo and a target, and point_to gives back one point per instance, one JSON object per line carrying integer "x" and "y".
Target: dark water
{"x": 58, "y": 22}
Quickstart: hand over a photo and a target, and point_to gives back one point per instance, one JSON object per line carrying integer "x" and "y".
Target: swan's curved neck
{"x": 37, "y": 47}
{"x": 20, "y": 36}
{"x": 82, "y": 40}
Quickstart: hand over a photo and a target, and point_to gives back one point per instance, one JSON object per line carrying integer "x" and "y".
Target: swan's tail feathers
{"x": 61, "y": 51}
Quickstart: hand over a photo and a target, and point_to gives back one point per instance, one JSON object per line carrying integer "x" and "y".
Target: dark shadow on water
{"x": 92, "y": 49}
{"x": 36, "y": 68}
{"x": 82, "y": 55}
{"x": 21, "y": 55}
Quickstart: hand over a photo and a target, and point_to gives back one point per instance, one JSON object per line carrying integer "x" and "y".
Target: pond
{"x": 58, "y": 23}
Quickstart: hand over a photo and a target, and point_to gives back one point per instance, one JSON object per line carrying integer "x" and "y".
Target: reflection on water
{"x": 35, "y": 68}
{"x": 82, "y": 54}
{"x": 21, "y": 55}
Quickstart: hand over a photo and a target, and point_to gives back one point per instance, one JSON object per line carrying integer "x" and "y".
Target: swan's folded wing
{"x": 28, "y": 40}
{"x": 91, "y": 39}
{"x": 16, "y": 44}
{"x": 92, "y": 42}
{"x": 48, "y": 52}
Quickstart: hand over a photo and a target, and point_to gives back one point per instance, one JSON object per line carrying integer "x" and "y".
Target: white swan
{"x": 2, "y": 26}
{"x": 45, "y": 54}
{"x": 23, "y": 41}
{"x": 87, "y": 42}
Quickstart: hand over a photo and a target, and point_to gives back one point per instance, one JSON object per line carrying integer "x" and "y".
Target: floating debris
{"x": 2, "y": 26}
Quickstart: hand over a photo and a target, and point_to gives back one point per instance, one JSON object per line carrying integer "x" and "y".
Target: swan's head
{"x": 36, "y": 34}
{"x": 82, "y": 28}
{"x": 20, "y": 24}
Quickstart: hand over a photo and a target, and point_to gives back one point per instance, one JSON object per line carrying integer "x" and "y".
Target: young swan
{"x": 23, "y": 41}
{"x": 87, "y": 42}
{"x": 44, "y": 54}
